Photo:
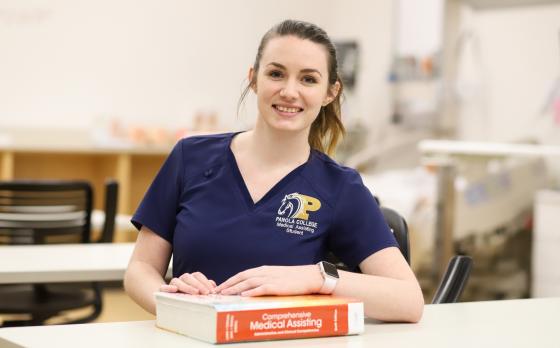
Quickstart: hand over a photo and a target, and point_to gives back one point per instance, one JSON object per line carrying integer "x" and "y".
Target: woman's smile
{"x": 287, "y": 111}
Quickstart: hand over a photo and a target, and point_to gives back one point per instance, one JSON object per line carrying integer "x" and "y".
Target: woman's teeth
{"x": 285, "y": 109}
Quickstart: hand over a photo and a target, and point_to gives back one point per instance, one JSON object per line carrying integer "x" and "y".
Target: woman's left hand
{"x": 273, "y": 280}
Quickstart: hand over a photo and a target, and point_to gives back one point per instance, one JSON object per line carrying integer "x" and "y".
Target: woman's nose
{"x": 289, "y": 90}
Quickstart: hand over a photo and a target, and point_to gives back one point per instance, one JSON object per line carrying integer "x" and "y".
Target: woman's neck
{"x": 275, "y": 148}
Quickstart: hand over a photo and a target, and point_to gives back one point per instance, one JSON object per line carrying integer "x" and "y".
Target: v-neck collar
{"x": 251, "y": 205}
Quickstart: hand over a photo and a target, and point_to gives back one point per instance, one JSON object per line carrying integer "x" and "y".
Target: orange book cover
{"x": 227, "y": 319}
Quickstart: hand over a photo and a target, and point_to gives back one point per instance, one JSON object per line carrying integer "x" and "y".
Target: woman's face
{"x": 292, "y": 83}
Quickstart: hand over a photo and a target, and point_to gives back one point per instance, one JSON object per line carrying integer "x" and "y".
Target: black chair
{"x": 110, "y": 209}
{"x": 454, "y": 280}
{"x": 455, "y": 277}
{"x": 398, "y": 226}
{"x": 41, "y": 212}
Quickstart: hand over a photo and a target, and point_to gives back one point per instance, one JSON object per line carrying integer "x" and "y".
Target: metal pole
{"x": 445, "y": 216}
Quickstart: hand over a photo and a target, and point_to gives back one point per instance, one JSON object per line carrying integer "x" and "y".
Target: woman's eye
{"x": 309, "y": 79}
{"x": 275, "y": 74}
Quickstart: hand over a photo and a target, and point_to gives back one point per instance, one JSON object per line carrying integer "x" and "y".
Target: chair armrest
{"x": 454, "y": 280}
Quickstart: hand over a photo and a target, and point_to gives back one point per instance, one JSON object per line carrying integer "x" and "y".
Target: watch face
{"x": 330, "y": 269}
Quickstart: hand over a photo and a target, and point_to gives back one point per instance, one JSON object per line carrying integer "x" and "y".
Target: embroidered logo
{"x": 293, "y": 214}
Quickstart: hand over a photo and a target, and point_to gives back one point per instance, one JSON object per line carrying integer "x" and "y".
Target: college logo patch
{"x": 296, "y": 206}
{"x": 293, "y": 214}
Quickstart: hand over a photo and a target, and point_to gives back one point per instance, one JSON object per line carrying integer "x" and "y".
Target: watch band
{"x": 329, "y": 282}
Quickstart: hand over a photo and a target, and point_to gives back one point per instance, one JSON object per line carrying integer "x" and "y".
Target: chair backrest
{"x": 454, "y": 280}
{"x": 111, "y": 199}
{"x": 398, "y": 226}
{"x": 32, "y": 211}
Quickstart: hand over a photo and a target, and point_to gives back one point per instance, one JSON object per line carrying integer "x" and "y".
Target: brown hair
{"x": 327, "y": 130}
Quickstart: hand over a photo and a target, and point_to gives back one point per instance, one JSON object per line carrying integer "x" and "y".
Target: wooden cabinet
{"x": 134, "y": 168}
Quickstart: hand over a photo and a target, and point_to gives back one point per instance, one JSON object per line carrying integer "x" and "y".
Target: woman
{"x": 255, "y": 213}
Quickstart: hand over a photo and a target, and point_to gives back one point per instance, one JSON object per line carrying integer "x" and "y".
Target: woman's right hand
{"x": 191, "y": 283}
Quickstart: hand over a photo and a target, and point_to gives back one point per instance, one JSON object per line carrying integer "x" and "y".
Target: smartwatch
{"x": 330, "y": 276}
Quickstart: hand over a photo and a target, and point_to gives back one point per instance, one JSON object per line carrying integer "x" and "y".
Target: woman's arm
{"x": 146, "y": 269}
{"x": 388, "y": 287}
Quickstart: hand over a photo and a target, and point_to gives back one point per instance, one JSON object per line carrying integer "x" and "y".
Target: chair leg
{"x": 16, "y": 323}
{"x": 41, "y": 318}
{"x": 38, "y": 320}
{"x": 97, "y": 306}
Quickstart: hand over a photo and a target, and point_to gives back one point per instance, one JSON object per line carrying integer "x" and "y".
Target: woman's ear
{"x": 250, "y": 76}
{"x": 332, "y": 93}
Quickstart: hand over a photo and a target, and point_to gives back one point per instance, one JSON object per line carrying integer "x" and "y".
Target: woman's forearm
{"x": 384, "y": 298}
{"x": 141, "y": 280}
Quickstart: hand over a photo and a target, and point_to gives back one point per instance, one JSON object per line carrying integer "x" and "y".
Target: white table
{"x": 64, "y": 262}
{"x": 513, "y": 323}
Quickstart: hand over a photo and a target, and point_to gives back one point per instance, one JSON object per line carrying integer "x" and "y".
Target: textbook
{"x": 227, "y": 319}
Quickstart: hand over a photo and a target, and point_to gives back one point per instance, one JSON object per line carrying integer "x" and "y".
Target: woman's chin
{"x": 288, "y": 127}
{"x": 281, "y": 124}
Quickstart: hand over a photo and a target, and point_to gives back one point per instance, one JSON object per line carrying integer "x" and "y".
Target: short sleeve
{"x": 160, "y": 204}
{"x": 358, "y": 228}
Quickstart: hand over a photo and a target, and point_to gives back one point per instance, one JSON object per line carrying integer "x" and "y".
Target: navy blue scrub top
{"x": 199, "y": 203}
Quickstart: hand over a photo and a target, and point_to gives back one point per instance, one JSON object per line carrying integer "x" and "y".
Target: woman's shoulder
{"x": 204, "y": 150}
{"x": 221, "y": 139}
{"x": 329, "y": 168}
{"x": 329, "y": 177}
{"x": 206, "y": 144}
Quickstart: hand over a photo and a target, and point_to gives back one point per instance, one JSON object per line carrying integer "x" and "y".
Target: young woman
{"x": 255, "y": 213}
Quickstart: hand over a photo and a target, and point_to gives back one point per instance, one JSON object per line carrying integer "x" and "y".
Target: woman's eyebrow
{"x": 307, "y": 70}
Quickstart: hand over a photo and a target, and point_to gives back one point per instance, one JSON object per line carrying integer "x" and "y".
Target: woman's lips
{"x": 287, "y": 111}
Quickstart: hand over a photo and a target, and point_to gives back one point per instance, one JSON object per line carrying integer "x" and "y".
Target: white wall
{"x": 371, "y": 24}
{"x": 67, "y": 63}
{"x": 520, "y": 58}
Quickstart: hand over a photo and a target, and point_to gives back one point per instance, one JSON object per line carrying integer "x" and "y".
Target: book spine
{"x": 287, "y": 323}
